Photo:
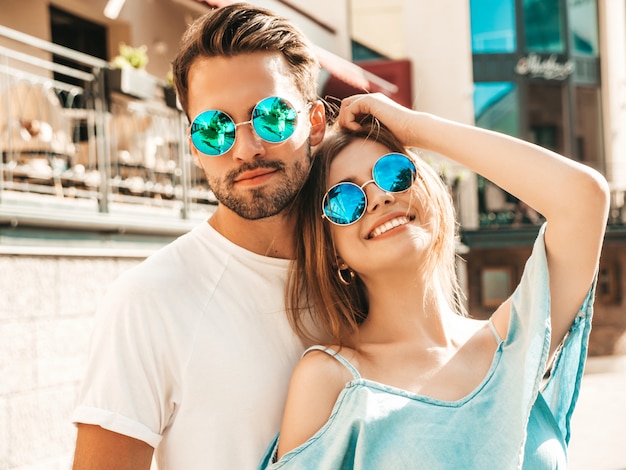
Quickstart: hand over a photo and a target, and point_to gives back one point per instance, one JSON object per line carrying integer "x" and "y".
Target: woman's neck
{"x": 402, "y": 309}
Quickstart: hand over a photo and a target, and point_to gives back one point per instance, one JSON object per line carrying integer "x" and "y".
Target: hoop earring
{"x": 345, "y": 269}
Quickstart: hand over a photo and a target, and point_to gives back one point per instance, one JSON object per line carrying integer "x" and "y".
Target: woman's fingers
{"x": 352, "y": 110}
{"x": 394, "y": 116}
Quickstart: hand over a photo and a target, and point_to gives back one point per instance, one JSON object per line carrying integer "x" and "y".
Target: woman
{"x": 404, "y": 379}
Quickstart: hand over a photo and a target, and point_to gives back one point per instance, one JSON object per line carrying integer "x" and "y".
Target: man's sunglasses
{"x": 213, "y": 132}
{"x": 345, "y": 203}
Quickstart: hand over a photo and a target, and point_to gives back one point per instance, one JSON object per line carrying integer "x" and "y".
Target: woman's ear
{"x": 317, "y": 118}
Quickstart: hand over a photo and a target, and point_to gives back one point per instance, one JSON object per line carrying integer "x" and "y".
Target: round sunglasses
{"x": 345, "y": 203}
{"x": 274, "y": 120}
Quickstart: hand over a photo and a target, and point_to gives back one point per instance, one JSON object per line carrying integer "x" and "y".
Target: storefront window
{"x": 546, "y": 115}
{"x": 496, "y": 106}
{"x": 543, "y": 24}
{"x": 583, "y": 23}
{"x": 588, "y": 127}
{"x": 493, "y": 26}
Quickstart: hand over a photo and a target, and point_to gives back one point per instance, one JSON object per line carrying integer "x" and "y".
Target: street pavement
{"x": 598, "y": 439}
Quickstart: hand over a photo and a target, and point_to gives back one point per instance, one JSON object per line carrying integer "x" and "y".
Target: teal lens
{"x": 274, "y": 119}
{"x": 345, "y": 203}
{"x": 213, "y": 132}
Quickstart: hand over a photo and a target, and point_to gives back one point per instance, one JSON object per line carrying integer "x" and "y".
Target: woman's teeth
{"x": 393, "y": 223}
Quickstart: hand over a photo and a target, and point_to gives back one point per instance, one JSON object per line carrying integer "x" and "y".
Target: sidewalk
{"x": 599, "y": 422}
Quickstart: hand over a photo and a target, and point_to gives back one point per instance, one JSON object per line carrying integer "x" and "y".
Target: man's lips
{"x": 254, "y": 176}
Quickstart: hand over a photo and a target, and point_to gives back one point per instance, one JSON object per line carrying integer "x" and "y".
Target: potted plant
{"x": 169, "y": 93}
{"x": 127, "y": 74}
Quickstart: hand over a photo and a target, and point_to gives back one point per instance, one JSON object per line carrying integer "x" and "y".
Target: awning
{"x": 351, "y": 73}
{"x": 391, "y": 77}
{"x": 359, "y": 79}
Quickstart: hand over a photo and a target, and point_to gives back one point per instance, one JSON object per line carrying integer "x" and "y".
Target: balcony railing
{"x": 77, "y": 153}
{"x": 498, "y": 209}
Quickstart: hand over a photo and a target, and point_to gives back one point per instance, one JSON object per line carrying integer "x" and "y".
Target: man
{"x": 192, "y": 352}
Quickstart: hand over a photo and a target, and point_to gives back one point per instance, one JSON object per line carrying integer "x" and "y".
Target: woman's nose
{"x": 376, "y": 196}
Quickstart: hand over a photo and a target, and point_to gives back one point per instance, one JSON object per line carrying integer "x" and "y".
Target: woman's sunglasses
{"x": 345, "y": 203}
{"x": 213, "y": 132}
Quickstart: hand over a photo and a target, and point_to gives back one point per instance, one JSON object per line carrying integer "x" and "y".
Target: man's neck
{"x": 271, "y": 236}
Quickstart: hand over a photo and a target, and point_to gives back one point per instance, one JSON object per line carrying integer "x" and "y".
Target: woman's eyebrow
{"x": 347, "y": 179}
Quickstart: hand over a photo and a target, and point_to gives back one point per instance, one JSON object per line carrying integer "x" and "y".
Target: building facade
{"x": 546, "y": 71}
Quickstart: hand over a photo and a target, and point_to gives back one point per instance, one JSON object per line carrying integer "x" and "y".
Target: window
{"x": 589, "y": 141}
{"x": 608, "y": 287}
{"x": 546, "y": 115}
{"x": 493, "y": 26}
{"x": 583, "y": 24}
{"x": 495, "y": 285}
{"x": 543, "y": 26}
{"x": 496, "y": 106}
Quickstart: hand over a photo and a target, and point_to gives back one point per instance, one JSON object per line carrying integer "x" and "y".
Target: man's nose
{"x": 248, "y": 145}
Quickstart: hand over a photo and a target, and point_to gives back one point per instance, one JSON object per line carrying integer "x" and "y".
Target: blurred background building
{"x": 96, "y": 171}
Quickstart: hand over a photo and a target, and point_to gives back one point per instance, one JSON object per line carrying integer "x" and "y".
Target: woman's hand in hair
{"x": 403, "y": 122}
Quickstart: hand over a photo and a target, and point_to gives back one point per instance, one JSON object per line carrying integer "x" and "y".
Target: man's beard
{"x": 264, "y": 201}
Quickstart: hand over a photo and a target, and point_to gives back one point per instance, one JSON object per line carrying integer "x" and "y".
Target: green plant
{"x": 169, "y": 79}
{"x": 135, "y": 57}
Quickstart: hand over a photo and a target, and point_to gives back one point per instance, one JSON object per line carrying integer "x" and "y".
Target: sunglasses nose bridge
{"x": 377, "y": 197}
{"x": 247, "y": 142}
{"x": 364, "y": 185}
{"x": 237, "y": 124}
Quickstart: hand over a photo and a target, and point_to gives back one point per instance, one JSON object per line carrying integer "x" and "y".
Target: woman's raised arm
{"x": 573, "y": 197}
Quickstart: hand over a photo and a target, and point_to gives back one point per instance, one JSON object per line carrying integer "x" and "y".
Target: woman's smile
{"x": 389, "y": 225}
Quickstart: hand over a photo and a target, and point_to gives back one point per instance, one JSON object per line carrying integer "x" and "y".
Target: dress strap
{"x": 331, "y": 352}
{"x": 494, "y": 332}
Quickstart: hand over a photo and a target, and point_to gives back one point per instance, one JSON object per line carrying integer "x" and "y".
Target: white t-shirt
{"x": 192, "y": 353}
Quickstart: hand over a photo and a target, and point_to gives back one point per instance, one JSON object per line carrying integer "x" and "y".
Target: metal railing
{"x": 77, "y": 153}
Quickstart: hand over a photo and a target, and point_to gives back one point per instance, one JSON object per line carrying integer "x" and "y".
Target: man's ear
{"x": 317, "y": 117}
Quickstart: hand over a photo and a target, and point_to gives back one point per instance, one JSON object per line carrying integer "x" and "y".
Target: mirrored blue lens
{"x": 274, "y": 119}
{"x": 213, "y": 132}
{"x": 344, "y": 203}
{"x": 394, "y": 172}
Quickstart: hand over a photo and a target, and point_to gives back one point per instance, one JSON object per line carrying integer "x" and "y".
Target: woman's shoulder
{"x": 318, "y": 378}
{"x": 327, "y": 363}
{"x": 316, "y": 383}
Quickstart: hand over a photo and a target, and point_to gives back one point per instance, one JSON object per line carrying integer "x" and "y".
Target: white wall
{"x": 380, "y": 26}
{"x": 46, "y": 311}
{"x": 438, "y": 42}
{"x": 324, "y": 22}
{"x": 612, "y": 18}
{"x": 438, "y": 39}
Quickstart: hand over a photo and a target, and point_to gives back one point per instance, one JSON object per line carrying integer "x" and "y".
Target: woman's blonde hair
{"x": 320, "y": 307}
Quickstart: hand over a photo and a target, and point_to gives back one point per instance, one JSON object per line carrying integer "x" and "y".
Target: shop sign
{"x": 549, "y": 68}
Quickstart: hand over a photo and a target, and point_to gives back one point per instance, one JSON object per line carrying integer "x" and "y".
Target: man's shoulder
{"x": 194, "y": 247}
